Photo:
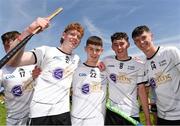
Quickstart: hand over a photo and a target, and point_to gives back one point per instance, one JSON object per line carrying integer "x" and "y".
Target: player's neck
{"x": 65, "y": 49}
{"x": 91, "y": 63}
{"x": 152, "y": 51}
{"x": 122, "y": 57}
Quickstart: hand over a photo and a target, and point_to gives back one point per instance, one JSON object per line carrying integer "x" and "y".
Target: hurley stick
{"x": 11, "y": 53}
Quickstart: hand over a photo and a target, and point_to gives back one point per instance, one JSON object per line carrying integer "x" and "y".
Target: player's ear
{"x": 63, "y": 35}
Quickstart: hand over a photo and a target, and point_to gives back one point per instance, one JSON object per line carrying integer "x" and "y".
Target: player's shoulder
{"x": 76, "y": 56}
{"x": 81, "y": 68}
{"x": 111, "y": 57}
{"x": 42, "y": 47}
{"x": 29, "y": 67}
{"x": 137, "y": 59}
{"x": 169, "y": 48}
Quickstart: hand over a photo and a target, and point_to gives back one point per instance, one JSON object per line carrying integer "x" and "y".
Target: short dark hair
{"x": 139, "y": 30}
{"x": 94, "y": 40}
{"x": 119, "y": 35}
{"x": 11, "y": 35}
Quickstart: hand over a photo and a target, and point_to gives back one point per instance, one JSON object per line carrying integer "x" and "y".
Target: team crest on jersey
{"x": 17, "y": 90}
{"x": 121, "y": 65}
{"x": 85, "y": 88}
{"x": 152, "y": 82}
{"x": 113, "y": 77}
{"x": 58, "y": 73}
{"x": 67, "y": 59}
{"x": 153, "y": 65}
{"x": 21, "y": 72}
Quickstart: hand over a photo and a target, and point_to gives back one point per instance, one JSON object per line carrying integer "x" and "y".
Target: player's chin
{"x": 75, "y": 45}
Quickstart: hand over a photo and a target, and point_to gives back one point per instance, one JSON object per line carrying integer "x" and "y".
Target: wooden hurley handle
{"x": 50, "y": 17}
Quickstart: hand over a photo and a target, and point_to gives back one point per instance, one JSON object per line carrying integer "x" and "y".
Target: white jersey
{"x": 124, "y": 77}
{"x": 52, "y": 89}
{"x": 18, "y": 90}
{"x": 89, "y": 96}
{"x": 163, "y": 73}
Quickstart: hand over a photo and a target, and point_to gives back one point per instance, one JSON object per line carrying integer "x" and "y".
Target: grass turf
{"x": 2, "y": 112}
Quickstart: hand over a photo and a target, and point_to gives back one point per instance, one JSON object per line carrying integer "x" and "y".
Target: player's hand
{"x": 36, "y": 72}
{"x": 101, "y": 66}
{"x": 43, "y": 23}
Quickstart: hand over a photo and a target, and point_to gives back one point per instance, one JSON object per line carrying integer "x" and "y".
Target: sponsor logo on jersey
{"x": 82, "y": 74}
{"x": 159, "y": 79}
{"x": 162, "y": 78}
{"x": 85, "y": 88}
{"x": 58, "y": 73}
{"x": 17, "y": 90}
{"x": 93, "y": 87}
{"x": 113, "y": 77}
{"x": 123, "y": 78}
{"x": 9, "y": 77}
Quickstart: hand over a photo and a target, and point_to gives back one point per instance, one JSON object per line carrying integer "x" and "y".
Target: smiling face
{"x": 93, "y": 48}
{"x": 71, "y": 39}
{"x": 93, "y": 52}
{"x": 143, "y": 41}
{"x": 120, "y": 47}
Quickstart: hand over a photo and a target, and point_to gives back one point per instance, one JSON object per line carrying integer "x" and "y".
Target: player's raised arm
{"x": 28, "y": 58}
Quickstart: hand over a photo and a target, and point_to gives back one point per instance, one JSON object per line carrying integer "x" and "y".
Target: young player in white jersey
{"x": 50, "y": 103}
{"x": 125, "y": 83}
{"x": 162, "y": 69}
{"x": 89, "y": 88}
{"x": 18, "y": 86}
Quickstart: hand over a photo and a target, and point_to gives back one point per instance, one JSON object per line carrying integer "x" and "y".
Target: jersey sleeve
{"x": 141, "y": 77}
{"x": 39, "y": 54}
{"x": 176, "y": 57}
{"x": 141, "y": 71}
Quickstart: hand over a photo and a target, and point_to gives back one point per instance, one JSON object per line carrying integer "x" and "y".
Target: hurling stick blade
{"x": 56, "y": 12}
